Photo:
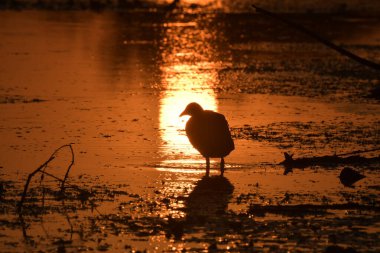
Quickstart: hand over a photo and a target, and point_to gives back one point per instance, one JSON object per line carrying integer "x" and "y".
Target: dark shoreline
{"x": 151, "y": 7}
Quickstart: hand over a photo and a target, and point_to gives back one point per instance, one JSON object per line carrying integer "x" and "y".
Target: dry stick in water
{"x": 68, "y": 169}
{"x": 41, "y": 170}
{"x": 321, "y": 39}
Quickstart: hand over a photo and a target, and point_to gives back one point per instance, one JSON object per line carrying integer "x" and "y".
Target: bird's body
{"x": 209, "y": 133}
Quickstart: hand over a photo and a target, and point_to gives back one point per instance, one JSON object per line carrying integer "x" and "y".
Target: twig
{"x": 41, "y": 170}
{"x": 319, "y": 38}
{"x": 30, "y": 178}
{"x": 68, "y": 169}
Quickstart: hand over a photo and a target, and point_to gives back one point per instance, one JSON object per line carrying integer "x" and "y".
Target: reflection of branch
{"x": 71, "y": 226}
{"x": 24, "y": 227}
{"x": 68, "y": 220}
{"x": 320, "y": 39}
{"x": 43, "y": 227}
{"x": 41, "y": 170}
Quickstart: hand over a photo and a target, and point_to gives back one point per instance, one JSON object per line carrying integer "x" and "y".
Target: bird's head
{"x": 192, "y": 109}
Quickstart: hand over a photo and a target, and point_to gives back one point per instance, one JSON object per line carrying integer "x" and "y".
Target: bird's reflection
{"x": 209, "y": 198}
{"x": 205, "y": 208}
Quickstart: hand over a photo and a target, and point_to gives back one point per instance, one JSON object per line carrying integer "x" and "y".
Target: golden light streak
{"x": 188, "y": 75}
{"x": 185, "y": 87}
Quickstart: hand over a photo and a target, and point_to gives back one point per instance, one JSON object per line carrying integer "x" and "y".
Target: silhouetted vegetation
{"x": 96, "y": 5}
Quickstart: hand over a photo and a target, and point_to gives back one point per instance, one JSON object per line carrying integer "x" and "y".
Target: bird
{"x": 209, "y": 133}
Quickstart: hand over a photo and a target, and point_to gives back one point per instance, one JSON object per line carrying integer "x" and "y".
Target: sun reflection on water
{"x": 188, "y": 85}
{"x": 188, "y": 75}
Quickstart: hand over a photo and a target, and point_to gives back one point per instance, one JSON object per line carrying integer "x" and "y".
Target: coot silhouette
{"x": 209, "y": 133}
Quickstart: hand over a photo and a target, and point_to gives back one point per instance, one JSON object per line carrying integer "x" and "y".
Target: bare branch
{"x": 41, "y": 170}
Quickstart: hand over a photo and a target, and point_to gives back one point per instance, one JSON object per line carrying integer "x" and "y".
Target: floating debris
{"x": 19, "y": 99}
{"x": 325, "y": 161}
{"x": 348, "y": 176}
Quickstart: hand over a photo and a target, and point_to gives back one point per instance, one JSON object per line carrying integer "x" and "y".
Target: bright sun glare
{"x": 184, "y": 82}
{"x": 182, "y": 89}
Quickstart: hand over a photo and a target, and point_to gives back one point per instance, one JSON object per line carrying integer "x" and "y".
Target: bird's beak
{"x": 183, "y": 113}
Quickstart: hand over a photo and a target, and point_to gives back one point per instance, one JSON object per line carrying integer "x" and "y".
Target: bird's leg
{"x": 207, "y": 166}
{"x": 221, "y": 166}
